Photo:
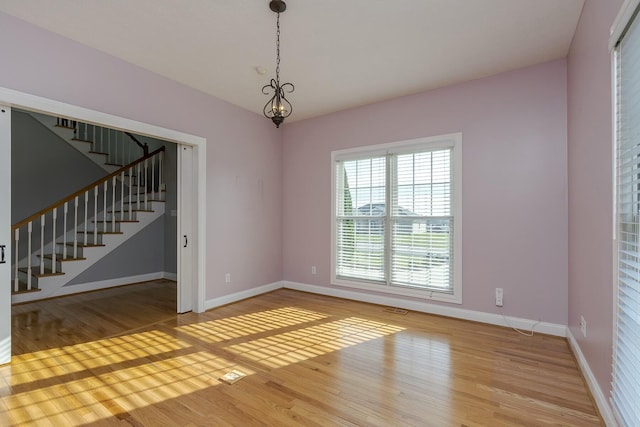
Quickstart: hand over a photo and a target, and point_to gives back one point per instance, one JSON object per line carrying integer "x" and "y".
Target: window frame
{"x": 625, "y": 18}
{"x": 453, "y": 141}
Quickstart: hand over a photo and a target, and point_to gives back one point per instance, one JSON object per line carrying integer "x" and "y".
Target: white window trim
{"x": 618, "y": 29}
{"x": 454, "y": 141}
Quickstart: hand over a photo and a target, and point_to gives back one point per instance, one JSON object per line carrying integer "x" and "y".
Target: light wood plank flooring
{"x": 123, "y": 358}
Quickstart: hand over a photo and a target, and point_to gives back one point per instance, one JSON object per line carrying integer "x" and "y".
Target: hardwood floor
{"x": 123, "y": 357}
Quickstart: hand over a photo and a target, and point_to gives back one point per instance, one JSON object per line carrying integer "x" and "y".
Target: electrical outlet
{"x": 583, "y": 326}
{"x": 313, "y": 269}
{"x": 499, "y": 295}
{"x": 227, "y": 278}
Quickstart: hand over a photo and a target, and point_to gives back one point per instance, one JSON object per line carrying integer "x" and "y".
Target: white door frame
{"x": 39, "y": 104}
{"x": 5, "y": 234}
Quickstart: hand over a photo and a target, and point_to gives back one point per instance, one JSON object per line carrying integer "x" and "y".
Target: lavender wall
{"x": 590, "y": 186}
{"x": 243, "y": 226}
{"x": 514, "y": 185}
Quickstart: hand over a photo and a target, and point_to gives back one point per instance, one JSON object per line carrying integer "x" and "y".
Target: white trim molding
{"x": 110, "y": 283}
{"x": 592, "y": 383}
{"x": 238, "y": 296}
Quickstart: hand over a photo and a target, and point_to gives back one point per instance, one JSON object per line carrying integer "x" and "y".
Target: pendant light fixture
{"x": 278, "y": 107}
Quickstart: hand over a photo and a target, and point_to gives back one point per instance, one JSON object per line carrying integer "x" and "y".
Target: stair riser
{"x": 49, "y": 262}
{"x": 91, "y": 239}
{"x": 23, "y": 276}
{"x": 110, "y": 226}
{"x": 60, "y": 248}
{"x": 125, "y": 217}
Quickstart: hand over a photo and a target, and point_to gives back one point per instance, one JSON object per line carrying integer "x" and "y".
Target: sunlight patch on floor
{"x": 97, "y": 397}
{"x": 42, "y": 365}
{"x": 302, "y": 344}
{"x": 248, "y": 324}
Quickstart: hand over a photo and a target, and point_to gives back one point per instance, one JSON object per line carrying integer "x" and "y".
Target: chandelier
{"x": 278, "y": 107}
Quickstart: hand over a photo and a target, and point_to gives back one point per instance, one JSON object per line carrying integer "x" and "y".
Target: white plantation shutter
{"x": 626, "y": 364}
{"x": 408, "y": 247}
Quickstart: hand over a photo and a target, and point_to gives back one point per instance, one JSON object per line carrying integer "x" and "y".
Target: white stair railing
{"x": 120, "y": 148}
{"x": 139, "y": 185}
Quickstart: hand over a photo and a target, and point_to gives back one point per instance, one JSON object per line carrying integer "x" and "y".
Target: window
{"x": 626, "y": 361}
{"x": 397, "y": 218}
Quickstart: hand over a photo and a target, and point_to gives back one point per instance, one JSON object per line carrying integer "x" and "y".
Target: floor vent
{"x": 232, "y": 377}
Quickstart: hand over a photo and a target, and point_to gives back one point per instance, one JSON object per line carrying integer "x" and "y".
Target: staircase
{"x": 108, "y": 148}
{"x": 56, "y": 244}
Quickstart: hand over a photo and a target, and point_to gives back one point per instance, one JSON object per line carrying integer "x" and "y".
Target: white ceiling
{"x": 339, "y": 54}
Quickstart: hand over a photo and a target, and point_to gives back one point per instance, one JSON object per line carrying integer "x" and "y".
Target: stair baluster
{"x": 95, "y": 213}
{"x": 104, "y": 204}
{"x": 86, "y": 209}
{"x": 130, "y": 194}
{"x": 75, "y": 228}
{"x": 30, "y": 233}
{"x": 113, "y": 204}
{"x": 122, "y": 196}
{"x": 64, "y": 230}
{"x": 53, "y": 239}
{"x": 146, "y": 195}
{"x": 153, "y": 178}
{"x": 42, "y": 244}
{"x": 138, "y": 185}
{"x": 161, "y": 174}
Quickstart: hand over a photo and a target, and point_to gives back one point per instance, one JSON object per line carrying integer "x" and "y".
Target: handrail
{"x": 82, "y": 190}
{"x": 145, "y": 147}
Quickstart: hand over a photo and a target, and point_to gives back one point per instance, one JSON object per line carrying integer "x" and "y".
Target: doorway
{"x": 191, "y": 263}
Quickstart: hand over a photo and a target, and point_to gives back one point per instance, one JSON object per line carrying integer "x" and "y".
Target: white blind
{"x": 626, "y": 364}
{"x": 421, "y": 222}
{"x": 361, "y": 224}
{"x": 409, "y": 245}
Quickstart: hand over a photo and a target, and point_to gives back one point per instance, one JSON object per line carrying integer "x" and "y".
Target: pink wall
{"x": 243, "y": 228}
{"x": 514, "y": 185}
{"x": 590, "y": 186}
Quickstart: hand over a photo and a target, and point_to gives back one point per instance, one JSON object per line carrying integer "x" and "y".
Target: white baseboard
{"x": 104, "y": 284}
{"x": 425, "y": 307}
{"x": 601, "y": 401}
{"x": 170, "y": 276}
{"x": 228, "y": 299}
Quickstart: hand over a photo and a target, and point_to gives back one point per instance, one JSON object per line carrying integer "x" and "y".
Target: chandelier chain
{"x": 278, "y": 49}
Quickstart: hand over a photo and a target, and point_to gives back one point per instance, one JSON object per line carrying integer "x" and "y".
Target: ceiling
{"x": 339, "y": 54}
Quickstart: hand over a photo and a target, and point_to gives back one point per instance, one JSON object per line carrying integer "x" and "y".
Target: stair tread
{"x": 98, "y": 152}
{"x": 113, "y": 164}
{"x": 61, "y": 259}
{"x": 100, "y": 232}
{"x": 82, "y": 140}
{"x": 117, "y": 221}
{"x": 141, "y": 202}
{"x": 82, "y": 245}
{"x": 35, "y": 271}
{"x": 133, "y": 210}
{"x": 64, "y": 127}
{"x": 22, "y": 288}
